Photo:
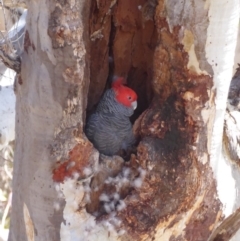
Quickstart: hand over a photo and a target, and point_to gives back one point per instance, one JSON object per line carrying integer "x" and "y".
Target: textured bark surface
{"x": 227, "y": 229}
{"x": 49, "y": 110}
{"x": 122, "y": 44}
{"x": 167, "y": 189}
{"x": 169, "y": 181}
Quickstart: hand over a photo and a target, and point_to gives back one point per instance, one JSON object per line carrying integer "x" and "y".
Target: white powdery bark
{"x": 80, "y": 225}
{"x": 220, "y": 51}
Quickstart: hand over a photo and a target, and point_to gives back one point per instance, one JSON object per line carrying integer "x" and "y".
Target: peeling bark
{"x": 49, "y": 107}
{"x": 167, "y": 191}
{"x": 227, "y": 229}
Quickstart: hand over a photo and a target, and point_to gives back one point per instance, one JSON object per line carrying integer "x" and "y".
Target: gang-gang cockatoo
{"x": 109, "y": 127}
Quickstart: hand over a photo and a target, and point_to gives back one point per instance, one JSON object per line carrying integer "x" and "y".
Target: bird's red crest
{"x": 124, "y": 94}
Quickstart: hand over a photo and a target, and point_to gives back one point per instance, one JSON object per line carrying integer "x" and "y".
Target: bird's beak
{"x": 134, "y": 104}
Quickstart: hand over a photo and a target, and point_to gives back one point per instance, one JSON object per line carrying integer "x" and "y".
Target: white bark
{"x": 220, "y": 48}
{"x": 47, "y": 110}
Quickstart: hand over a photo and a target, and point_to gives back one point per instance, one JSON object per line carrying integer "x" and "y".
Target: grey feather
{"x": 231, "y": 135}
{"x": 109, "y": 127}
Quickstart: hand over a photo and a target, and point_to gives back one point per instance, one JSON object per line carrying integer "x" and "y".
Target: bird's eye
{"x": 129, "y": 97}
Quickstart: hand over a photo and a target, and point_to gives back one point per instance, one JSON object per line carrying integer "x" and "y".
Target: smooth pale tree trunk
{"x": 179, "y": 57}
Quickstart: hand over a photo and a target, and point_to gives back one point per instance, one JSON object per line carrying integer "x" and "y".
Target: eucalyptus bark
{"x": 51, "y": 99}
{"x": 63, "y": 189}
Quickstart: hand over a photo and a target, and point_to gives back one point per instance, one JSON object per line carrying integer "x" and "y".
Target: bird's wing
{"x": 106, "y": 137}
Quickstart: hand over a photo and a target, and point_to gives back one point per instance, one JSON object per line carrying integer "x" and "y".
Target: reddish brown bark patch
{"x": 27, "y": 42}
{"x": 172, "y": 175}
{"x": 100, "y": 28}
{"x": 79, "y": 158}
{"x": 20, "y": 81}
{"x": 201, "y": 222}
{"x": 172, "y": 132}
{"x": 122, "y": 44}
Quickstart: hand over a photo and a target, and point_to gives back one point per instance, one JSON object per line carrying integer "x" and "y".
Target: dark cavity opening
{"x": 123, "y": 40}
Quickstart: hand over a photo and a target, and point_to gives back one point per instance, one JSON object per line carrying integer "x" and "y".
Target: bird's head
{"x": 124, "y": 94}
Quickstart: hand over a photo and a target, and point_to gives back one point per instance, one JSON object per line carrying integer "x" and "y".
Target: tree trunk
{"x": 178, "y": 56}
{"x": 51, "y": 99}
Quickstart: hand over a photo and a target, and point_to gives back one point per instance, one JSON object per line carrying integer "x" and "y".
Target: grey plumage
{"x": 231, "y": 135}
{"x": 109, "y": 127}
{"x": 234, "y": 92}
